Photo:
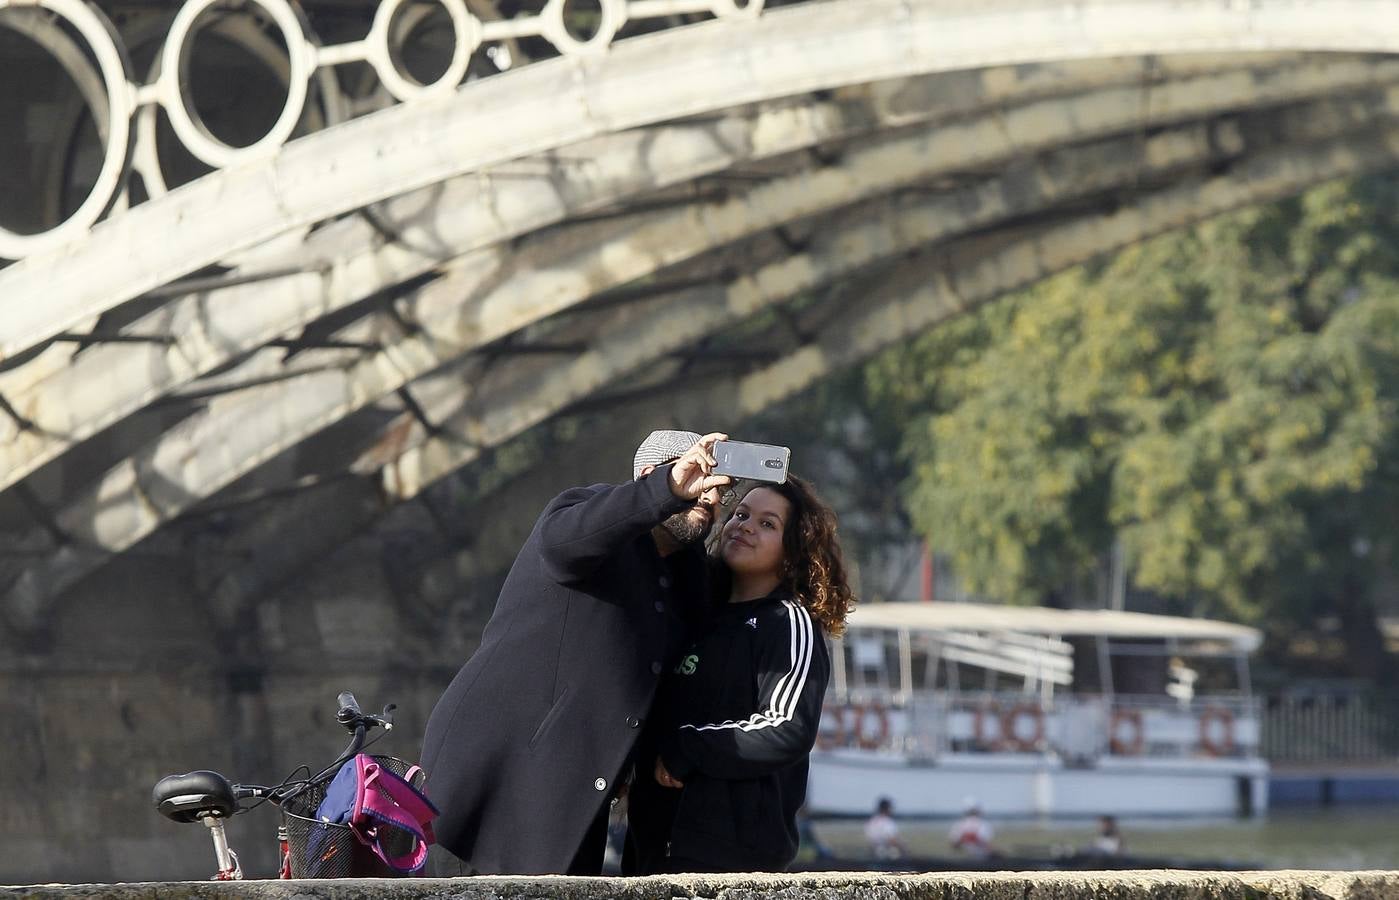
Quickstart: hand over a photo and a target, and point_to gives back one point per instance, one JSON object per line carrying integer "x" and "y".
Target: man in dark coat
{"x": 525, "y": 749}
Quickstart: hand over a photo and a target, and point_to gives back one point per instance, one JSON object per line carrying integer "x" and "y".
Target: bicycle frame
{"x": 229, "y": 869}
{"x": 208, "y": 798}
{"x": 285, "y": 849}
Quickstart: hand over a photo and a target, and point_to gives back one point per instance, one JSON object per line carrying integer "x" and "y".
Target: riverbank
{"x": 1333, "y": 783}
{"x": 1301, "y": 837}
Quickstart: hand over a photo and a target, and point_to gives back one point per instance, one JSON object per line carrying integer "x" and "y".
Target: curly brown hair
{"x": 813, "y": 567}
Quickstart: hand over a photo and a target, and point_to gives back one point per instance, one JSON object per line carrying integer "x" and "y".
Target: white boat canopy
{"x": 1055, "y": 623}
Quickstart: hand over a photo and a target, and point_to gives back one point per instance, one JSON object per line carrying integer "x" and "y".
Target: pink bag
{"x": 372, "y": 801}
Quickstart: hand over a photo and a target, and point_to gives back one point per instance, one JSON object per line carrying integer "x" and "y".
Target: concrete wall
{"x": 994, "y": 886}
{"x": 137, "y": 677}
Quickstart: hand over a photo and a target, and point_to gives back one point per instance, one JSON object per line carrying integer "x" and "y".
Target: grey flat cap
{"x": 661, "y": 447}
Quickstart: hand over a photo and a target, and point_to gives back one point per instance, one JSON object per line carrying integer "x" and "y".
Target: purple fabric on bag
{"x": 364, "y": 795}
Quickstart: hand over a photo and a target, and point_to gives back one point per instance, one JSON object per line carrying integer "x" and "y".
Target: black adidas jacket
{"x": 740, "y": 716}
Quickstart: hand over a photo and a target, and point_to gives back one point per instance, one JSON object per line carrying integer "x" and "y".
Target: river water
{"x": 1335, "y": 837}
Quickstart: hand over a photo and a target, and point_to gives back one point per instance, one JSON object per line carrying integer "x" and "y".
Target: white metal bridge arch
{"x": 895, "y": 162}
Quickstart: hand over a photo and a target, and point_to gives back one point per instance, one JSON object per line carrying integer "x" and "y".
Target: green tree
{"x": 847, "y": 441}
{"x": 1221, "y": 400}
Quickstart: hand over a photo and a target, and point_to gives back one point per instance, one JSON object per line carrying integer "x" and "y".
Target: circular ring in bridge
{"x": 185, "y": 119}
{"x": 103, "y": 41}
{"x": 466, "y": 29}
{"x": 245, "y": 33}
{"x": 614, "y": 16}
{"x": 734, "y": 9}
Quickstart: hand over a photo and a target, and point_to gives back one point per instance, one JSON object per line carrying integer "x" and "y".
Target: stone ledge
{"x": 1141, "y": 885}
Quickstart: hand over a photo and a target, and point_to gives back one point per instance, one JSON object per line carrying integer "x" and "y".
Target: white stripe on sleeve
{"x": 783, "y": 704}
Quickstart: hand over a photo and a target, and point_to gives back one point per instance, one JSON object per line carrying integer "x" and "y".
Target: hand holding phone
{"x": 755, "y": 462}
{"x": 693, "y": 472}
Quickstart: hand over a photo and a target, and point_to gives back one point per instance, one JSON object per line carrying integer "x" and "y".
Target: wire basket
{"x": 331, "y": 850}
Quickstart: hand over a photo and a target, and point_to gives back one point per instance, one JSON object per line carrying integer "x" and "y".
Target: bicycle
{"x": 209, "y": 798}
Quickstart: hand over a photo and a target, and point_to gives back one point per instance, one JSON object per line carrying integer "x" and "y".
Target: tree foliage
{"x": 1222, "y": 401}
{"x": 847, "y": 439}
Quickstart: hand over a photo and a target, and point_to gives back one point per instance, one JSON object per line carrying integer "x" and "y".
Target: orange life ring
{"x": 990, "y": 712}
{"x": 881, "y": 734}
{"x": 1224, "y": 744}
{"x": 1010, "y": 736}
{"x": 830, "y": 738}
{"x": 1136, "y": 740}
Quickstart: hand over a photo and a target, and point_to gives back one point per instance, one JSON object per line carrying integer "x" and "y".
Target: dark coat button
{"x": 656, "y": 668}
{"x": 660, "y": 607}
{"x": 665, "y": 581}
{"x": 633, "y": 722}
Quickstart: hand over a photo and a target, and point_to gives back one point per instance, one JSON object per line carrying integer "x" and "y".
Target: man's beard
{"x": 686, "y": 530}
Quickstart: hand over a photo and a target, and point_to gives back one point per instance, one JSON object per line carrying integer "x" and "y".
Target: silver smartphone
{"x": 757, "y": 462}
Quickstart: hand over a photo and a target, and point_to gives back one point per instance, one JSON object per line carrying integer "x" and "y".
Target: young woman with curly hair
{"x": 721, "y": 778}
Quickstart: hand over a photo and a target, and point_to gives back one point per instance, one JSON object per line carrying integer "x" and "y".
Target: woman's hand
{"x": 692, "y": 473}
{"x": 664, "y": 778}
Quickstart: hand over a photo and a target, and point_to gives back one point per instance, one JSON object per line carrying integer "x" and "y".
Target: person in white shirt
{"x": 1109, "y": 839}
{"x": 882, "y": 832}
{"x": 972, "y": 835}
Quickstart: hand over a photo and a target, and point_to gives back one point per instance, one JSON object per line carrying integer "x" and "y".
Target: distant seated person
{"x": 1109, "y": 839}
{"x": 972, "y": 835}
{"x": 882, "y": 832}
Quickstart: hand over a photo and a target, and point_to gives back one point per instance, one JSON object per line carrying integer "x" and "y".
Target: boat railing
{"x": 1078, "y": 729}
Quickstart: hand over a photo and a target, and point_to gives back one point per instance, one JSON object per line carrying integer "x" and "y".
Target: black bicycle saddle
{"x": 194, "y": 795}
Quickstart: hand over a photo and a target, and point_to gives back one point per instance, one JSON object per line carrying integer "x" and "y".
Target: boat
{"x": 1038, "y": 712}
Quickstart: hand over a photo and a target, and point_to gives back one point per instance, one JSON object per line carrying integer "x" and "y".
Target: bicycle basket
{"x": 331, "y": 850}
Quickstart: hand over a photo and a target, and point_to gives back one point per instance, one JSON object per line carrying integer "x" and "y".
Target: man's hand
{"x": 664, "y": 778}
{"x": 693, "y": 473}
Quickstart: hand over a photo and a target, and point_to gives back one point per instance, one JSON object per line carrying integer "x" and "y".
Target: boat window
{"x": 1216, "y": 675}
{"x": 1087, "y": 672}
{"x": 865, "y": 663}
{"x": 868, "y": 650}
{"x": 1156, "y": 668}
{"x": 872, "y": 664}
{"x": 1139, "y": 668}
{"x": 924, "y": 675}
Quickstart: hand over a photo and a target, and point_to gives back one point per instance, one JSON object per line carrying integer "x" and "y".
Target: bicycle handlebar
{"x": 357, "y": 723}
{"x": 349, "y": 709}
{"x": 352, "y": 717}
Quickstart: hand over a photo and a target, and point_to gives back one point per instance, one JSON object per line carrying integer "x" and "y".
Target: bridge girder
{"x": 492, "y": 237}
{"x": 439, "y": 228}
{"x": 150, "y": 491}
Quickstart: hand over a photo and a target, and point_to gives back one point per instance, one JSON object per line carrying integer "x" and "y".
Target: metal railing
{"x": 1358, "y": 727}
{"x": 1345, "y": 728}
{"x": 85, "y": 42}
{"x": 931, "y": 724}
